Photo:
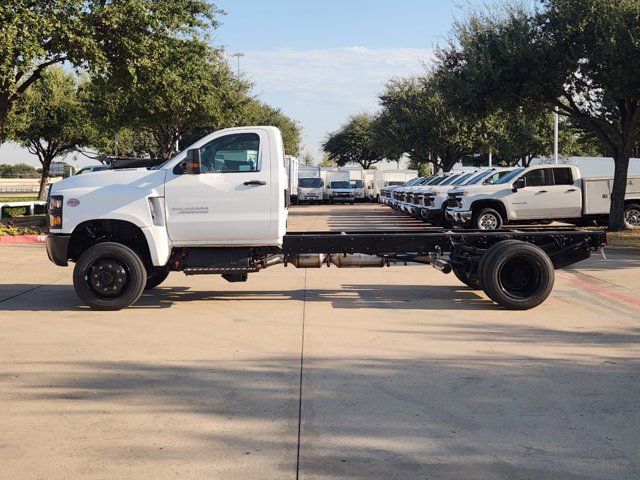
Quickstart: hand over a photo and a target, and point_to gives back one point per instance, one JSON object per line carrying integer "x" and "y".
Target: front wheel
{"x": 487, "y": 219}
{"x": 632, "y": 215}
{"x": 109, "y": 276}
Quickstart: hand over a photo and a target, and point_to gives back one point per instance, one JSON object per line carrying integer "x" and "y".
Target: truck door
{"x": 532, "y": 201}
{"x": 230, "y": 200}
{"x": 565, "y": 197}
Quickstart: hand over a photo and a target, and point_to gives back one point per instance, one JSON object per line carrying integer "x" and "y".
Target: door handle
{"x": 570, "y": 190}
{"x": 543, "y": 191}
{"x": 255, "y": 182}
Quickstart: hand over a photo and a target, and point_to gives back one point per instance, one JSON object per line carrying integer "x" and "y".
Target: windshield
{"x": 395, "y": 184}
{"x": 414, "y": 181}
{"x": 310, "y": 182}
{"x": 357, "y": 184}
{"x": 479, "y": 178}
{"x": 510, "y": 176}
{"x": 437, "y": 181}
{"x": 344, "y": 184}
{"x": 462, "y": 179}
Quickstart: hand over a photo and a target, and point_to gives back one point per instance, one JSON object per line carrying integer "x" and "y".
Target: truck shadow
{"x": 349, "y": 297}
{"x": 58, "y": 298}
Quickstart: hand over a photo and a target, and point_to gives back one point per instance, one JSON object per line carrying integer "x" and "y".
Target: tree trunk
{"x": 4, "y": 113}
{"x": 45, "y": 161}
{"x": 616, "y": 211}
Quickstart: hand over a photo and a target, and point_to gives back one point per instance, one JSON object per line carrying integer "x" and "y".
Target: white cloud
{"x": 322, "y": 88}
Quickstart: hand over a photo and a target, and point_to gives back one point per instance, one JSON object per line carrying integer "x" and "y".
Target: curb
{"x": 23, "y": 239}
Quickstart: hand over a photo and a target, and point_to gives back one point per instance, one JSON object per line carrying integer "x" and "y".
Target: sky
{"x": 322, "y": 62}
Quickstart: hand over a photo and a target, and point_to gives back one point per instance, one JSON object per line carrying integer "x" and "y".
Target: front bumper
{"x": 336, "y": 199}
{"x": 309, "y": 197}
{"x": 431, "y": 215}
{"x": 57, "y": 248}
{"x": 459, "y": 217}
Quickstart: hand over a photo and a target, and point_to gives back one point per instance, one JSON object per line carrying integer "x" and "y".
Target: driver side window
{"x": 536, "y": 178}
{"x": 233, "y": 153}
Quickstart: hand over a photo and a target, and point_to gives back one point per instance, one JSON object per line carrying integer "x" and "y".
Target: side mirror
{"x": 519, "y": 183}
{"x": 191, "y": 164}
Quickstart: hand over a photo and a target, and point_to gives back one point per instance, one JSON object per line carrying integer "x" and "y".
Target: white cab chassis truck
{"x": 540, "y": 193}
{"x": 220, "y": 208}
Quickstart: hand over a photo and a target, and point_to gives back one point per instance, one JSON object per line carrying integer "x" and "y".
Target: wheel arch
{"x": 91, "y": 232}
{"x": 491, "y": 203}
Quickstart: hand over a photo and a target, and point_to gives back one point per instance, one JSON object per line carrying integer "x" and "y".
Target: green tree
{"x": 50, "y": 120}
{"x": 259, "y": 113}
{"x": 185, "y": 86}
{"x": 19, "y": 170}
{"x": 112, "y": 38}
{"x": 584, "y": 61}
{"x": 423, "y": 124}
{"x": 355, "y": 142}
{"x": 327, "y": 162}
{"x": 307, "y": 159}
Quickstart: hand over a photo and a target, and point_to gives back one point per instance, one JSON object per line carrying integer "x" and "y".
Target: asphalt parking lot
{"x": 394, "y": 373}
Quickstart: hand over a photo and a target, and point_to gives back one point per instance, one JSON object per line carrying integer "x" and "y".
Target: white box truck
{"x": 310, "y": 185}
{"x": 386, "y": 178}
{"x": 291, "y": 165}
{"x": 338, "y": 187}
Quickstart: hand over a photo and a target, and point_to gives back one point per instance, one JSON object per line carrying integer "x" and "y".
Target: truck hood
{"x": 113, "y": 181}
{"x": 473, "y": 189}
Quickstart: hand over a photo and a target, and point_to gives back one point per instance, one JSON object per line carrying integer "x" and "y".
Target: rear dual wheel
{"x": 516, "y": 274}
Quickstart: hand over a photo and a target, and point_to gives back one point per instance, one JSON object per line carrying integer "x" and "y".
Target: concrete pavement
{"x": 399, "y": 372}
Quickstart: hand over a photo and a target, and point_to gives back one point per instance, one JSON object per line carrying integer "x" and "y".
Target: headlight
{"x": 54, "y": 210}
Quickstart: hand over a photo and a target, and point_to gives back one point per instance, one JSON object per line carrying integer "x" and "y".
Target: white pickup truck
{"x": 220, "y": 207}
{"x": 541, "y": 193}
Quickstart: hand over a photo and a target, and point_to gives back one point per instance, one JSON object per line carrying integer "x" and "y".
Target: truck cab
{"x": 228, "y": 189}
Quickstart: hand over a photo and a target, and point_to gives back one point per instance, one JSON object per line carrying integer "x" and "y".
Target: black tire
{"x": 489, "y": 253}
{"x": 632, "y": 215}
{"x": 517, "y": 275}
{"x": 109, "y": 276}
{"x": 487, "y": 219}
{"x": 155, "y": 277}
{"x": 471, "y": 280}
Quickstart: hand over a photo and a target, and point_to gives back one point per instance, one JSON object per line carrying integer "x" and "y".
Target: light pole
{"x": 555, "y": 135}
{"x": 238, "y": 55}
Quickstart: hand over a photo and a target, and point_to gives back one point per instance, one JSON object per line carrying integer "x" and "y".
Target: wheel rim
{"x": 632, "y": 218}
{"x": 488, "y": 222}
{"x": 520, "y": 277}
{"x": 107, "y": 277}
